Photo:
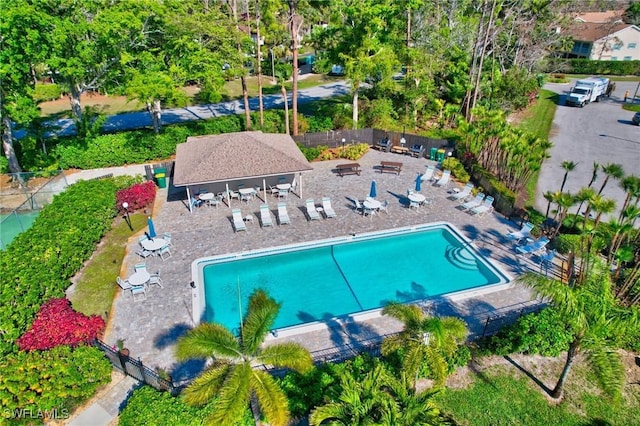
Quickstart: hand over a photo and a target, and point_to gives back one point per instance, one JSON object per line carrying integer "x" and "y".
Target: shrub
{"x": 543, "y": 333}
{"x": 457, "y": 169}
{"x": 37, "y": 265}
{"x": 139, "y": 196}
{"x": 60, "y": 379}
{"x": 46, "y": 92}
{"x": 147, "y": 406}
{"x": 354, "y": 152}
{"x": 319, "y": 123}
{"x": 58, "y": 324}
{"x": 313, "y": 152}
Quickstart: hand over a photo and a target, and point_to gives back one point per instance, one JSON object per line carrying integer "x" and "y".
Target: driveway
{"x": 600, "y": 132}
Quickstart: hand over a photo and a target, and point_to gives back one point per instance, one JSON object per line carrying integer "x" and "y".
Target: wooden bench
{"x": 390, "y": 166}
{"x": 400, "y": 149}
{"x": 348, "y": 169}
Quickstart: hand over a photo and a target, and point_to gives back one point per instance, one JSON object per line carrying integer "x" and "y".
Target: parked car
{"x": 636, "y": 119}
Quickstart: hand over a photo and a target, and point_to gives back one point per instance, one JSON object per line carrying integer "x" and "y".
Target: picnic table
{"x": 348, "y": 169}
{"x": 390, "y": 166}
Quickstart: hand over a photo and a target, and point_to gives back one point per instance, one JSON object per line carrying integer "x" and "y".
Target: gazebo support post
{"x": 228, "y": 195}
{"x": 189, "y": 200}
{"x": 264, "y": 189}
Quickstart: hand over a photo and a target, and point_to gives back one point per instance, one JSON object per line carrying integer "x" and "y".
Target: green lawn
{"x": 497, "y": 397}
{"x": 97, "y": 286}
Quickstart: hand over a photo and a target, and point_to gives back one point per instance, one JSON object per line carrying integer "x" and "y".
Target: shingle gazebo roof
{"x": 233, "y": 156}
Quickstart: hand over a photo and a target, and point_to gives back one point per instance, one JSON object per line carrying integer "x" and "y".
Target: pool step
{"x": 462, "y": 258}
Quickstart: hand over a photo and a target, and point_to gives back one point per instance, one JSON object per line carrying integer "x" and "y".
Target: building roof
{"x": 601, "y": 17}
{"x": 234, "y": 156}
{"x": 586, "y": 31}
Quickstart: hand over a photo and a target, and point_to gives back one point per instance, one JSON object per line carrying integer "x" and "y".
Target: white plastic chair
{"x": 328, "y": 208}
{"x": 238, "y": 221}
{"x": 473, "y": 203}
{"x": 444, "y": 179}
{"x": 384, "y": 207}
{"x": 165, "y": 253}
{"x": 466, "y": 191}
{"x": 265, "y": 216}
{"x": 283, "y": 214}
{"x": 428, "y": 174}
{"x": 155, "y": 279}
{"x": 310, "y": 205}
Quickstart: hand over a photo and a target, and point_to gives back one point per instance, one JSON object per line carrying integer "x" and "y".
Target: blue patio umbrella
{"x": 372, "y": 192}
{"x": 152, "y": 229}
{"x": 419, "y": 182}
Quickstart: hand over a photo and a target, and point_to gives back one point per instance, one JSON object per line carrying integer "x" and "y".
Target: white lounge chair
{"x": 466, "y": 191}
{"x": 536, "y": 247}
{"x": 283, "y": 214}
{"x": 311, "y": 209}
{"x": 444, "y": 179}
{"x": 520, "y": 235}
{"x": 328, "y": 208}
{"x": 473, "y": 203}
{"x": 484, "y": 208}
{"x": 238, "y": 221}
{"x": 265, "y": 216}
{"x": 428, "y": 174}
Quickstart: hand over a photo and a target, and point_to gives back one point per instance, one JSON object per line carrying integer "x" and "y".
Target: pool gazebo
{"x": 218, "y": 163}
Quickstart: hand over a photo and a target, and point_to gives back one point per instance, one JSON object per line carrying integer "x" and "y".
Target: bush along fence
{"x": 334, "y": 139}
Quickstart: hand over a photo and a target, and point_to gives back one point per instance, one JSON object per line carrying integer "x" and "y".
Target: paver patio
{"x": 150, "y": 328}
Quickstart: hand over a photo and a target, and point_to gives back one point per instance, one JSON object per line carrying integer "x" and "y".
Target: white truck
{"x": 587, "y": 90}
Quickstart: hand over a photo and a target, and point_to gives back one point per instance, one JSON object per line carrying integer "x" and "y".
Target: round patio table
{"x": 206, "y": 196}
{"x": 154, "y": 244}
{"x": 417, "y": 198}
{"x": 372, "y": 204}
{"x": 139, "y": 278}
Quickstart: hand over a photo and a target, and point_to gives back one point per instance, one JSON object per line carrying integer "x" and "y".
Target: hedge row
{"x": 587, "y": 66}
{"x": 37, "y": 265}
{"x": 140, "y": 146}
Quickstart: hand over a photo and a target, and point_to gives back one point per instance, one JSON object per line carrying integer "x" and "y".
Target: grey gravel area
{"x": 150, "y": 328}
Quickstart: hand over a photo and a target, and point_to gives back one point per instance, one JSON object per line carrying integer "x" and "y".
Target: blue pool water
{"x": 350, "y": 275}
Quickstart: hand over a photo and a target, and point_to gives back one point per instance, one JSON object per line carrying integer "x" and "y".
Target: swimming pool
{"x": 320, "y": 280}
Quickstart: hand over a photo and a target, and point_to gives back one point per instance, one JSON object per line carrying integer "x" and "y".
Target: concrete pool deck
{"x": 150, "y": 328}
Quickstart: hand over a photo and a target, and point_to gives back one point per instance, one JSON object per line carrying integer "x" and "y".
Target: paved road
{"x": 135, "y": 120}
{"x": 600, "y": 132}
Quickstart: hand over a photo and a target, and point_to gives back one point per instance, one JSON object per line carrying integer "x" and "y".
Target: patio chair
{"x": 167, "y": 237}
{"x": 155, "y": 279}
{"x": 144, "y": 253}
{"x": 384, "y": 145}
{"x": 520, "y": 235}
{"x": 358, "y": 206}
{"x": 428, "y": 174}
{"x": 384, "y": 207}
{"x": 273, "y": 190}
{"x": 283, "y": 214}
{"x": 215, "y": 201}
{"x": 444, "y": 179}
{"x": 265, "y": 216}
{"x": 462, "y": 195}
{"x": 416, "y": 150}
{"x": 283, "y": 193}
{"x": 484, "y": 208}
{"x": 139, "y": 266}
{"x": 473, "y": 203}
{"x": 238, "y": 221}
{"x": 312, "y": 213}
{"x": 536, "y": 247}
{"x": 136, "y": 290}
{"x": 142, "y": 238}
{"x": 165, "y": 253}
{"x": 546, "y": 260}
{"x": 327, "y": 207}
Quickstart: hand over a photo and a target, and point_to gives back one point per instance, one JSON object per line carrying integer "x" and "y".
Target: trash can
{"x": 440, "y": 155}
{"x": 160, "y": 173}
{"x": 432, "y": 153}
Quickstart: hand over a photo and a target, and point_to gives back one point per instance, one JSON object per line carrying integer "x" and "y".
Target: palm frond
{"x": 273, "y": 402}
{"x": 332, "y": 411}
{"x": 410, "y": 315}
{"x": 560, "y": 295}
{"x": 261, "y": 314}
{"x": 205, "y": 388}
{"x": 608, "y": 368}
{"x": 291, "y": 355}
{"x": 207, "y": 340}
{"x": 233, "y": 397}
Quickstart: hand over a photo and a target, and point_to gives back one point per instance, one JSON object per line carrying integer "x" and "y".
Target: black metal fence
{"x": 494, "y": 323}
{"x": 134, "y": 368}
{"x": 335, "y": 138}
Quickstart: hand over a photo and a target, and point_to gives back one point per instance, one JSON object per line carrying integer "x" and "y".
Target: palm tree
{"x": 423, "y": 338}
{"x": 565, "y": 201}
{"x": 612, "y": 171}
{"x": 377, "y": 398}
{"x": 568, "y": 166}
{"x": 594, "y": 319}
{"x": 231, "y": 377}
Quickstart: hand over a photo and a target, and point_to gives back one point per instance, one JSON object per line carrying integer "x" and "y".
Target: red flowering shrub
{"x": 58, "y": 324}
{"x": 138, "y": 196}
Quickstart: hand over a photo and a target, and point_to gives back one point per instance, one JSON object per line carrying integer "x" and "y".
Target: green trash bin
{"x": 440, "y": 155}
{"x": 160, "y": 173}
{"x": 432, "y": 154}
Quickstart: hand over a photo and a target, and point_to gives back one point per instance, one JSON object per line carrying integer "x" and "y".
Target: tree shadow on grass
{"x": 529, "y": 375}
